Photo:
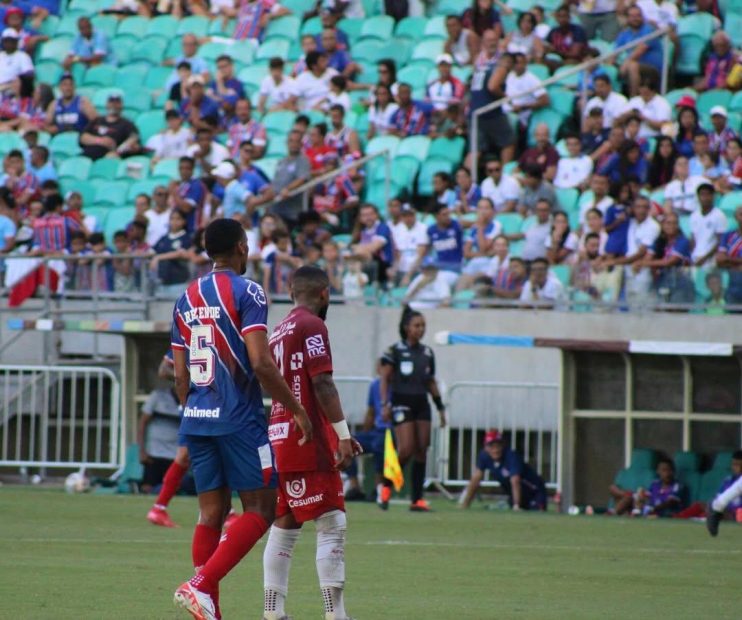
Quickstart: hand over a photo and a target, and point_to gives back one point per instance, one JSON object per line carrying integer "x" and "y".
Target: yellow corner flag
{"x": 392, "y": 470}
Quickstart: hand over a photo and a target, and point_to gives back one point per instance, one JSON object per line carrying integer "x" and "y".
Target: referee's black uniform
{"x": 412, "y": 369}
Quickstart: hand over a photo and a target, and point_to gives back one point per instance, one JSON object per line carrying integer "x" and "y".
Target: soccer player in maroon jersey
{"x": 309, "y": 485}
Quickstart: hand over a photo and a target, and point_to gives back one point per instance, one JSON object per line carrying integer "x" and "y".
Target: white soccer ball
{"x": 76, "y": 483}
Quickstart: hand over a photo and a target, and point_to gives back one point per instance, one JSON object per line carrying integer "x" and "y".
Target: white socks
{"x": 722, "y": 500}
{"x": 276, "y": 566}
{"x": 331, "y": 562}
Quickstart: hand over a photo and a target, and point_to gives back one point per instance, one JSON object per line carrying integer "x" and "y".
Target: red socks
{"x": 205, "y": 542}
{"x": 170, "y": 483}
{"x": 238, "y": 540}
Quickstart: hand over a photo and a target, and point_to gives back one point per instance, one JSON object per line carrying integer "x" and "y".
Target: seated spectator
{"x": 188, "y": 193}
{"x": 645, "y": 54}
{"x": 535, "y": 189}
{"x": 310, "y": 232}
{"x": 277, "y": 91}
{"x": 508, "y": 283}
{"x": 479, "y": 243}
{"x": 617, "y": 221}
{"x": 681, "y": 194}
{"x": 688, "y": 125}
{"x": 329, "y": 19}
{"x": 430, "y": 289}
{"x": 253, "y": 177}
{"x": 628, "y": 161}
{"x": 562, "y": 243}
{"x": 338, "y": 95}
{"x": 462, "y": 44}
{"x": 373, "y": 243}
{"x": 23, "y": 184}
{"x": 703, "y": 163}
{"x": 443, "y": 193}
{"x": 244, "y": 128}
{"x": 729, "y": 257}
{"x": 380, "y": 112}
{"x": 536, "y": 234}
{"x": 89, "y": 47}
{"x": 236, "y": 201}
{"x": 500, "y": 260}
{"x": 466, "y": 192}
{"x": 40, "y": 164}
{"x": 110, "y": 135}
{"x": 410, "y": 244}
{"x": 313, "y": 84}
{"x": 199, "y": 110}
{"x": 52, "y": 231}
{"x": 524, "y": 39}
{"x": 70, "y": 111}
{"x": 593, "y": 133}
{"x": 206, "y": 152}
{"x": 179, "y": 90}
{"x": 172, "y": 142}
{"x": 447, "y": 88}
{"x": 566, "y": 40}
{"x": 171, "y": 263}
{"x": 652, "y": 108}
{"x": 278, "y": 263}
{"x": 600, "y": 198}
{"x": 699, "y": 509}
{"x": 660, "y": 14}
{"x": 292, "y": 171}
{"x": 340, "y": 138}
{"x": 610, "y": 147}
{"x": 73, "y": 208}
{"x": 412, "y": 118}
{"x": 333, "y": 265}
{"x": 225, "y": 88}
{"x": 715, "y": 302}
{"x": 707, "y": 225}
{"x": 450, "y": 123}
{"x": 446, "y": 240}
{"x": 662, "y": 165}
{"x": 664, "y": 498}
{"x": 13, "y": 62}
{"x": 542, "y": 285}
{"x": 95, "y": 274}
{"x": 542, "y": 155}
{"x": 29, "y": 37}
{"x": 354, "y": 279}
{"x": 518, "y": 480}
{"x": 22, "y": 108}
{"x": 320, "y": 155}
{"x": 196, "y": 64}
{"x": 308, "y": 44}
{"x": 574, "y": 171}
{"x": 253, "y": 16}
{"x": 590, "y": 274}
{"x": 517, "y": 85}
{"x": 731, "y": 163}
{"x": 502, "y": 190}
{"x": 157, "y": 214}
{"x": 482, "y": 16}
{"x": 719, "y": 63}
{"x": 722, "y": 133}
{"x": 612, "y": 104}
{"x": 338, "y": 58}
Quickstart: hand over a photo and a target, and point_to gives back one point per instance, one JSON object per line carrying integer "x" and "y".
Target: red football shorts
{"x": 309, "y": 494}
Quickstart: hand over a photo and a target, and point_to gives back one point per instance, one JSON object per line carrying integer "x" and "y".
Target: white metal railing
{"x": 60, "y": 416}
{"x": 572, "y": 70}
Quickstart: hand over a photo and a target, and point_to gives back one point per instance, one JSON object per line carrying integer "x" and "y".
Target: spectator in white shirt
{"x": 447, "y": 88}
{"x": 542, "y": 285}
{"x": 277, "y": 91}
{"x": 430, "y": 289}
{"x": 479, "y": 244}
{"x": 535, "y": 236}
{"x": 171, "y": 142}
{"x": 652, "y": 108}
{"x": 13, "y": 62}
{"x": 573, "y": 171}
{"x": 520, "y": 80}
{"x": 206, "y": 151}
{"x": 410, "y": 244}
{"x": 598, "y": 197}
{"x": 681, "y": 193}
{"x": 501, "y": 189}
{"x": 612, "y": 103}
{"x": 562, "y": 243}
{"x": 707, "y": 224}
{"x": 313, "y": 85}
{"x": 380, "y": 112}
{"x": 659, "y": 13}
{"x": 158, "y": 216}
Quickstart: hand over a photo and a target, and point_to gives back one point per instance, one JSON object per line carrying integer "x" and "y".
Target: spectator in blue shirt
{"x": 200, "y": 111}
{"x": 172, "y": 263}
{"x": 670, "y": 259}
{"x": 226, "y": 88}
{"x": 628, "y": 161}
{"x": 90, "y": 47}
{"x": 643, "y": 54}
{"x": 373, "y": 244}
{"x": 41, "y": 165}
{"x": 524, "y": 487}
{"x": 189, "y": 46}
{"x": 337, "y": 57}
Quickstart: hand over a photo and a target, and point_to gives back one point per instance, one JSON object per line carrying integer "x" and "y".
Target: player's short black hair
{"x": 222, "y": 236}
{"x": 96, "y": 238}
{"x": 309, "y": 281}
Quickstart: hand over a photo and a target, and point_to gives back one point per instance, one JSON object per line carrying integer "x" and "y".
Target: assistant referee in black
{"x": 408, "y": 366}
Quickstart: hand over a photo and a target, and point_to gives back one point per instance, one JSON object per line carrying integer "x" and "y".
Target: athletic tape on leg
{"x": 277, "y": 559}
{"x": 331, "y": 529}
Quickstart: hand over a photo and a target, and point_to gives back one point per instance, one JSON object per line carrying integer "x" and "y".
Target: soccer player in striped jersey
{"x": 220, "y": 350}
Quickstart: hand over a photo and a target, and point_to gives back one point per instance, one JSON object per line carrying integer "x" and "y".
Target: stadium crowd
{"x": 126, "y": 127}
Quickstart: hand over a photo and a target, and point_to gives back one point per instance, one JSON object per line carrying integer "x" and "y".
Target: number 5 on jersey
{"x": 202, "y": 356}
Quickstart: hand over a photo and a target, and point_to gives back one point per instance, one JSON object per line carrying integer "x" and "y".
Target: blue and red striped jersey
{"x": 209, "y": 320}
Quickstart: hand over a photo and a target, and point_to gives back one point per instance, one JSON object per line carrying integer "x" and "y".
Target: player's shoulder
{"x": 244, "y": 287}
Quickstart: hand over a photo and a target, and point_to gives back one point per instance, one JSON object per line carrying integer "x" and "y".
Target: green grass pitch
{"x": 87, "y": 556}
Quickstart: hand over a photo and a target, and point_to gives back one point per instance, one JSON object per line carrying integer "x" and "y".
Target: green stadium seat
{"x": 99, "y": 75}
{"x": 428, "y": 169}
{"x": 628, "y": 479}
{"x": 65, "y": 144}
{"x": 299, "y": 7}
{"x": 100, "y": 97}
{"x": 49, "y": 25}
{"x": 128, "y": 481}
{"x": 436, "y": 28}
{"x": 136, "y": 167}
{"x": 117, "y": 219}
{"x": 104, "y": 168}
{"x": 540, "y": 71}
{"x": 48, "y": 72}
{"x": 376, "y": 195}
{"x": 141, "y": 187}
{"x": 55, "y": 49}
{"x": 242, "y": 52}
{"x": 131, "y": 78}
{"x": 511, "y": 222}
{"x": 698, "y": 24}
{"x": 399, "y": 50}
{"x": 122, "y": 47}
{"x": 567, "y": 198}
{"x": 413, "y": 76}
{"x": 448, "y": 148}
{"x": 150, "y": 50}
{"x": 251, "y": 75}
{"x": 100, "y": 214}
{"x": 689, "y": 55}
{"x": 67, "y": 26}
{"x": 277, "y": 147}
{"x": 692, "y": 481}
{"x": 674, "y": 95}
{"x": 733, "y": 27}
{"x": 279, "y": 122}
{"x": 381, "y": 143}
{"x": 219, "y": 29}
{"x": 427, "y": 49}
{"x": 642, "y": 458}
{"x": 75, "y": 168}
{"x": 404, "y": 171}
{"x": 369, "y": 50}
{"x": 83, "y": 7}
{"x": 562, "y": 100}
{"x": 167, "y": 168}
{"x": 569, "y": 81}
{"x": 286, "y": 27}
{"x": 414, "y": 146}
{"x": 111, "y": 192}
{"x": 134, "y": 26}
{"x": 412, "y": 28}
{"x": 552, "y": 119}
{"x": 686, "y": 461}
{"x": 268, "y": 165}
{"x": 164, "y": 26}
{"x": 150, "y": 123}
{"x": 193, "y": 24}
{"x": 87, "y": 189}
{"x": 722, "y": 462}
{"x": 351, "y": 26}
{"x": 174, "y": 48}
{"x": 212, "y": 50}
{"x": 730, "y": 202}
{"x": 710, "y": 98}
{"x": 106, "y": 24}
{"x": 272, "y": 48}
{"x": 156, "y": 77}
{"x": 449, "y": 7}
{"x": 377, "y": 27}
{"x": 710, "y": 483}
{"x": 312, "y": 26}
{"x": 562, "y": 273}
{"x": 463, "y": 299}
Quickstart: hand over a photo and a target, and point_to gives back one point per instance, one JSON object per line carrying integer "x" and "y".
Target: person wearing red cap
{"x": 523, "y": 486}
{"x": 29, "y": 38}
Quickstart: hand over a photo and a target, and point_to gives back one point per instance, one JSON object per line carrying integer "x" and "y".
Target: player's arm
{"x": 181, "y": 375}
{"x": 329, "y": 401}
{"x": 385, "y": 375}
{"x": 516, "y": 490}
{"x": 471, "y": 488}
{"x": 436, "y": 395}
{"x": 270, "y": 378}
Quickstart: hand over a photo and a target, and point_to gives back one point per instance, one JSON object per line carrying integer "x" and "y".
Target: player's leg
{"x": 170, "y": 484}
{"x": 331, "y": 528}
{"x": 277, "y": 557}
{"x": 422, "y": 442}
{"x": 719, "y": 505}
